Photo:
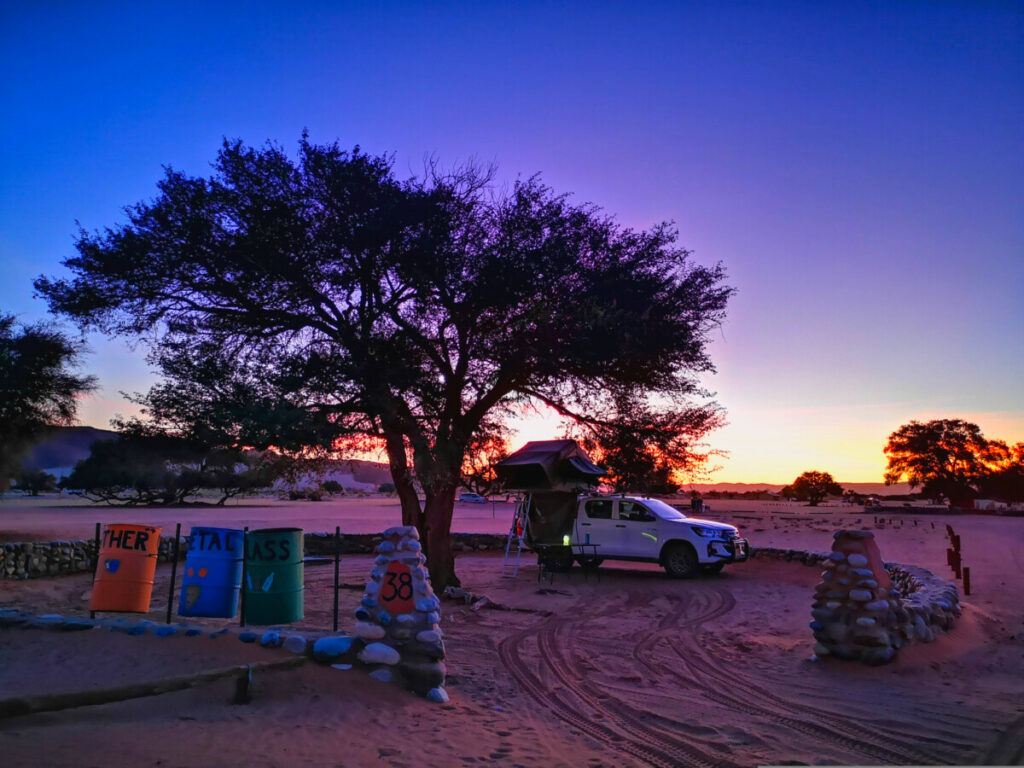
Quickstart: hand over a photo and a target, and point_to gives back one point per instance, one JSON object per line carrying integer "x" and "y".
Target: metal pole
{"x": 95, "y": 565}
{"x": 245, "y": 575}
{"x": 337, "y": 561}
{"x": 174, "y": 571}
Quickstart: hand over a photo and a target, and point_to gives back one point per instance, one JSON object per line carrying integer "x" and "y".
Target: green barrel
{"x": 273, "y": 576}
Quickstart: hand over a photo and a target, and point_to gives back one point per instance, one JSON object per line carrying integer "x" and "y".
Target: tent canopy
{"x": 548, "y": 465}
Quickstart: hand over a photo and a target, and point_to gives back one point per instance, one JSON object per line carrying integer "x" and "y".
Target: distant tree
{"x": 945, "y": 457}
{"x": 144, "y": 466}
{"x": 304, "y": 300}
{"x": 386, "y": 488}
{"x": 813, "y": 487}
{"x": 331, "y": 486}
{"x": 135, "y": 469}
{"x": 36, "y": 481}
{"x": 787, "y": 492}
{"x": 37, "y": 388}
{"x": 1006, "y": 481}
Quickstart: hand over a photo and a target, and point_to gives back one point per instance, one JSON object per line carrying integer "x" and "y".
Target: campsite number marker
{"x": 396, "y": 589}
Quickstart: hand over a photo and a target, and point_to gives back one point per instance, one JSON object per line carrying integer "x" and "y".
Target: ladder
{"x": 514, "y": 545}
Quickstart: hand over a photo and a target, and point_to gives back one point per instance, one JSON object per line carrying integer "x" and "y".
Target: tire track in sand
{"x": 618, "y": 727}
{"x": 735, "y": 691}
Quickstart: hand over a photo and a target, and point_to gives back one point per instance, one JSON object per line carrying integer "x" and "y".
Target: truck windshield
{"x": 663, "y": 510}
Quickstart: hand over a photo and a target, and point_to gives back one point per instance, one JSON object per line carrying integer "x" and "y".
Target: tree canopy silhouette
{"x": 38, "y": 389}
{"x": 647, "y": 449}
{"x": 812, "y": 487}
{"x": 302, "y": 301}
{"x": 946, "y": 457}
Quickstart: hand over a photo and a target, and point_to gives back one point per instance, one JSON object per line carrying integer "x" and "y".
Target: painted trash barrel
{"x": 213, "y": 573}
{"x": 273, "y": 576}
{"x": 126, "y": 568}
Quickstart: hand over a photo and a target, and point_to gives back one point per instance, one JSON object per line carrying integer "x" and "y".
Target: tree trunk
{"x": 440, "y": 557}
{"x": 412, "y": 514}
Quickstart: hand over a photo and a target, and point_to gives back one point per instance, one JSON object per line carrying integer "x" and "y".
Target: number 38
{"x": 400, "y": 586}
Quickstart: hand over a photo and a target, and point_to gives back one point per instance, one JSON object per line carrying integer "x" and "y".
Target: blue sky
{"x": 858, "y": 168}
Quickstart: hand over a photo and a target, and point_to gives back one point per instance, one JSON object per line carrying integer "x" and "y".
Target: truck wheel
{"x": 680, "y": 561}
{"x": 589, "y": 561}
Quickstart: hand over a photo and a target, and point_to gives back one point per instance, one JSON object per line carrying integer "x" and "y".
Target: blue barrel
{"x": 213, "y": 573}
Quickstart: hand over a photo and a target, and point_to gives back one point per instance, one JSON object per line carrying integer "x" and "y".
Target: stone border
{"x": 42, "y": 559}
{"x": 931, "y": 603}
{"x": 339, "y": 651}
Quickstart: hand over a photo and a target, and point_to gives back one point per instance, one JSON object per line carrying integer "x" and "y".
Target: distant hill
{"x": 372, "y": 472}
{"x": 64, "y": 447}
{"x": 866, "y": 489}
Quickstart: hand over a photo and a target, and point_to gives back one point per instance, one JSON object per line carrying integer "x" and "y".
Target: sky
{"x": 857, "y": 167}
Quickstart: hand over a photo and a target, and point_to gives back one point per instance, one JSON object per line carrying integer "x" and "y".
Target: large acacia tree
{"x": 292, "y": 302}
{"x": 948, "y": 458}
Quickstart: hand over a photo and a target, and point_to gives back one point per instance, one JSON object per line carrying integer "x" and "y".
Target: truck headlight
{"x": 707, "y": 533}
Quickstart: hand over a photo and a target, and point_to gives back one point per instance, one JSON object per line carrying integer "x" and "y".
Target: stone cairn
{"x": 405, "y": 647}
{"x": 858, "y": 612}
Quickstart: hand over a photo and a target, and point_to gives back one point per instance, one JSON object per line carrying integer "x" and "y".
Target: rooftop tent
{"x": 548, "y": 465}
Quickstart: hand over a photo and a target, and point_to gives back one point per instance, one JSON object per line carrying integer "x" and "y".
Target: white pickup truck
{"x": 649, "y": 530}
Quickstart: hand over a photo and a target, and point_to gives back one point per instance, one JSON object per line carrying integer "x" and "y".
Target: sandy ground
{"x": 633, "y": 669}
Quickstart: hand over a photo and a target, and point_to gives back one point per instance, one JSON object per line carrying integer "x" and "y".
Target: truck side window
{"x": 630, "y": 510}
{"x": 599, "y": 509}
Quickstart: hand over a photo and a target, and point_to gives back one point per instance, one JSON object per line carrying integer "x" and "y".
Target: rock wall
{"x": 925, "y": 604}
{"x": 38, "y": 559}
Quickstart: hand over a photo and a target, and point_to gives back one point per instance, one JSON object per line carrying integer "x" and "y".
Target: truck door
{"x": 637, "y": 527}
{"x": 595, "y": 521}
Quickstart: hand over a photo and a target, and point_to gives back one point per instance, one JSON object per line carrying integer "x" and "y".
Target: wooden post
{"x": 967, "y": 581}
{"x": 956, "y": 543}
{"x": 95, "y": 565}
{"x": 949, "y": 556}
{"x": 956, "y": 564}
{"x": 174, "y": 572}
{"x": 241, "y": 597}
{"x": 337, "y": 561}
{"x": 54, "y": 702}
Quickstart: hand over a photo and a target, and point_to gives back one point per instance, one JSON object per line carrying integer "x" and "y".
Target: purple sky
{"x": 858, "y": 167}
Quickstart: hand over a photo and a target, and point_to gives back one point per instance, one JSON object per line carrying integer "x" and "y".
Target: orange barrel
{"x": 273, "y": 576}
{"x": 126, "y": 567}
{"x": 213, "y": 573}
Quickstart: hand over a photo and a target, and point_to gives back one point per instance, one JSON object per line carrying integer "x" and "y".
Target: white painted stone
{"x": 438, "y": 695}
{"x": 368, "y": 631}
{"x": 857, "y": 560}
{"x": 378, "y": 653}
